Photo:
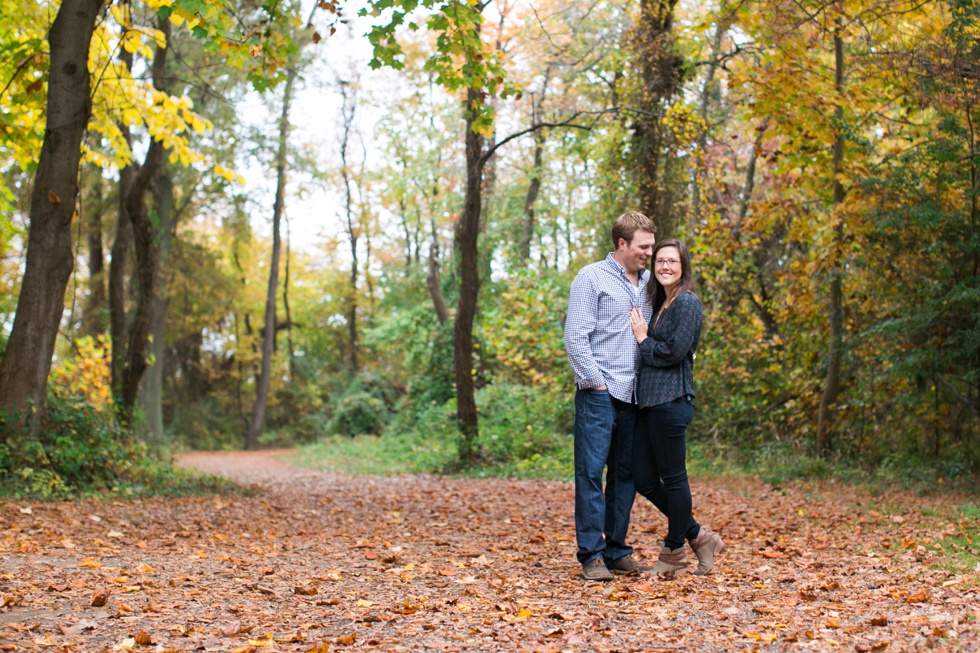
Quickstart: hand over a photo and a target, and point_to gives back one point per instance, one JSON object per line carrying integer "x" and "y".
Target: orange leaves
{"x": 346, "y": 640}
{"x": 515, "y": 583}
{"x": 100, "y": 598}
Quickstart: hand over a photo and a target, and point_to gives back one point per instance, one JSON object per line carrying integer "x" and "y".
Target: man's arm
{"x": 580, "y": 324}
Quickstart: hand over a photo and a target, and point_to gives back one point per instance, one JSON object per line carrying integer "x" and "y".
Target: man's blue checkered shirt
{"x": 598, "y": 336}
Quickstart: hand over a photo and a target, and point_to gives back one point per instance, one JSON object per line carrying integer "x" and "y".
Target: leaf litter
{"x": 325, "y": 562}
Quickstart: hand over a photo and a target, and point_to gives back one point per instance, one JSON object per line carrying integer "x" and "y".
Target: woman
{"x": 665, "y": 394}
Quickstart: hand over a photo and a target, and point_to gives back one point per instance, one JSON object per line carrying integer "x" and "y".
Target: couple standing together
{"x": 631, "y": 341}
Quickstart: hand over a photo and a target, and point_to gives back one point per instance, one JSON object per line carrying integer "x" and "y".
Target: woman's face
{"x": 667, "y": 267}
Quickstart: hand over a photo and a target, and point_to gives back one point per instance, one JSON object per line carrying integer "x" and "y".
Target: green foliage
{"x": 522, "y": 329}
{"x": 526, "y": 431}
{"x": 358, "y": 413}
{"x": 461, "y": 59}
{"x": 78, "y": 451}
{"x": 208, "y": 424}
{"x": 416, "y": 351}
{"x": 428, "y": 445}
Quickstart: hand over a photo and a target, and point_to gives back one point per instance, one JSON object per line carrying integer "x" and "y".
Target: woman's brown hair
{"x": 657, "y": 293}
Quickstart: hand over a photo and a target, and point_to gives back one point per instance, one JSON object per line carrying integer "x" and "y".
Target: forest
{"x": 821, "y": 158}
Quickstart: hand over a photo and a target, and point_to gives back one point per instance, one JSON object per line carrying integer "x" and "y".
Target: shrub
{"x": 79, "y": 450}
{"x": 358, "y": 413}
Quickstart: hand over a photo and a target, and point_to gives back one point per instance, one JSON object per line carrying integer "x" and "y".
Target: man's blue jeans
{"x": 603, "y": 437}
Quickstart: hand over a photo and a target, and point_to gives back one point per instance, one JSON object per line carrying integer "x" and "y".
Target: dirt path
{"x": 316, "y": 561}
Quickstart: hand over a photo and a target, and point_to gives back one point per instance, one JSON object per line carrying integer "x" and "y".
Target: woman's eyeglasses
{"x": 660, "y": 262}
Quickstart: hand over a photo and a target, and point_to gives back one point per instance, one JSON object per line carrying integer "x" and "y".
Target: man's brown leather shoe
{"x": 596, "y": 570}
{"x": 628, "y": 566}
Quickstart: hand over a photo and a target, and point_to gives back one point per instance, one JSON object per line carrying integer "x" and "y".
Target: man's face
{"x": 634, "y": 254}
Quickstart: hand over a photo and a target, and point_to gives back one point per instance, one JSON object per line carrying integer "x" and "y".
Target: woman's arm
{"x": 683, "y": 327}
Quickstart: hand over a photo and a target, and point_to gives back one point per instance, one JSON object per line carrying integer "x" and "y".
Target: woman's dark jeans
{"x": 660, "y": 468}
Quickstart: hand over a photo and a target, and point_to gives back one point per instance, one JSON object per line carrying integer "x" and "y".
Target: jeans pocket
{"x": 677, "y": 416}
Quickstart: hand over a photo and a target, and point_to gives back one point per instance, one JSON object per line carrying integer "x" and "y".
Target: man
{"x": 603, "y": 352}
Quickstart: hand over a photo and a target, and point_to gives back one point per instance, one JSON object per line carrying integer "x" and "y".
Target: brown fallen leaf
{"x": 231, "y": 629}
{"x": 323, "y": 647}
{"x": 143, "y": 638}
{"x": 9, "y": 599}
{"x": 880, "y": 620}
{"x": 25, "y": 627}
{"x": 101, "y": 597}
{"x": 346, "y": 640}
{"x": 922, "y": 596}
{"x": 305, "y": 590}
{"x": 47, "y": 640}
{"x": 875, "y": 647}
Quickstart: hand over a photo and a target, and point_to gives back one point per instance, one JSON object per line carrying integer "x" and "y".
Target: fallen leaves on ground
{"x": 322, "y": 562}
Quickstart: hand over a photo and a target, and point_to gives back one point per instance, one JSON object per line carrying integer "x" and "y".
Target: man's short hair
{"x": 627, "y": 224}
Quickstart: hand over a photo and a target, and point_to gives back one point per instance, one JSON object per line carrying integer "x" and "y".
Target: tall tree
{"x": 49, "y": 263}
{"x": 348, "y": 93}
{"x": 151, "y": 392}
{"x": 835, "y": 308}
{"x": 94, "y": 311}
{"x": 269, "y": 332}
{"x": 660, "y": 78}
{"x": 146, "y": 240}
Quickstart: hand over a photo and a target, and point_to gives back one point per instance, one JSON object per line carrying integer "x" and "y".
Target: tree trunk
{"x": 466, "y": 235}
{"x": 94, "y": 313}
{"x": 707, "y": 91}
{"x": 660, "y": 74}
{"x": 147, "y": 255}
{"x": 269, "y": 334}
{"x": 49, "y": 261}
{"x": 117, "y": 278}
{"x": 119, "y": 253}
{"x": 152, "y": 391}
{"x": 832, "y": 384}
{"x": 527, "y": 233}
{"x": 434, "y": 285}
{"x": 291, "y": 350}
{"x": 349, "y": 106}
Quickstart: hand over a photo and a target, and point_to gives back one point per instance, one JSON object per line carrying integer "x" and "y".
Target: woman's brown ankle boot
{"x": 669, "y": 563}
{"x": 706, "y": 546}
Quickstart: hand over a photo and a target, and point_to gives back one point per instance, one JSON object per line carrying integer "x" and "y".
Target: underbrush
{"x": 83, "y": 451}
{"x": 778, "y": 463}
{"x": 524, "y": 432}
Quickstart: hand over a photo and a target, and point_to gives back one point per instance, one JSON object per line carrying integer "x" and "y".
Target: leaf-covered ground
{"x": 418, "y": 563}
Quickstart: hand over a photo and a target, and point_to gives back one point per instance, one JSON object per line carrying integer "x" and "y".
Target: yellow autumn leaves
{"x": 118, "y": 96}
{"x": 121, "y": 99}
{"x": 87, "y": 376}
